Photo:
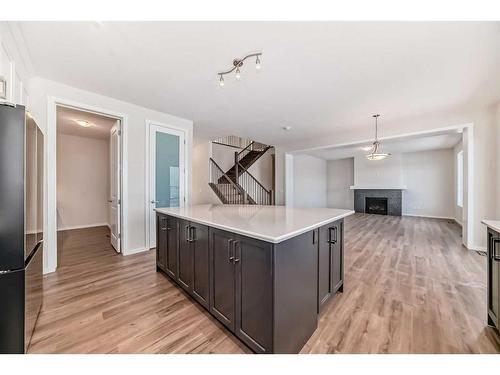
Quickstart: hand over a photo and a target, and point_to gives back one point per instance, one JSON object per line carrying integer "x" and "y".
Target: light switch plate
{"x": 3, "y": 88}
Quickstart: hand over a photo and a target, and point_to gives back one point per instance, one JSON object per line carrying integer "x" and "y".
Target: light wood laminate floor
{"x": 410, "y": 287}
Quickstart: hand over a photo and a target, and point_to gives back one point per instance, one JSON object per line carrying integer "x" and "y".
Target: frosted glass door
{"x": 167, "y": 172}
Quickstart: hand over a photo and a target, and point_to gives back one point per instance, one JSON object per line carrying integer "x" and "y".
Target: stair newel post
{"x": 237, "y": 175}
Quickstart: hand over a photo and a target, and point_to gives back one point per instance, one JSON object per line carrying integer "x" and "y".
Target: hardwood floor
{"x": 410, "y": 287}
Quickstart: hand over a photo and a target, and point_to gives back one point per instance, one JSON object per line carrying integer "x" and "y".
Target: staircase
{"x": 237, "y": 185}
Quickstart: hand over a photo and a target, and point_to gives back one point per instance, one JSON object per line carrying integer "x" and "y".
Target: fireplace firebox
{"x": 375, "y": 205}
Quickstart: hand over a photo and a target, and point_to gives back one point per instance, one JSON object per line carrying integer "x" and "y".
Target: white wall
{"x": 340, "y": 177}
{"x": 309, "y": 188}
{"x": 428, "y": 177}
{"x": 386, "y": 173}
{"x": 202, "y": 193}
{"x": 82, "y": 181}
{"x": 485, "y": 121}
{"x": 136, "y": 193}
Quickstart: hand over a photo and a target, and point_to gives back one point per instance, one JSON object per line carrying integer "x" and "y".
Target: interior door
{"x": 166, "y": 171}
{"x": 114, "y": 186}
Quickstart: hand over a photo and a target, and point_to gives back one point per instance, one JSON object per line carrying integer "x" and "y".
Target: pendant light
{"x": 374, "y": 154}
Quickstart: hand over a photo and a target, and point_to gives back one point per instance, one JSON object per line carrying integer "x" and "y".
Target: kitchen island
{"x": 264, "y": 272}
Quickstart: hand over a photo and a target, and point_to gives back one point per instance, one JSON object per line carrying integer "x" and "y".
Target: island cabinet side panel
{"x": 295, "y": 292}
{"x": 161, "y": 241}
{"x": 254, "y": 293}
{"x": 172, "y": 249}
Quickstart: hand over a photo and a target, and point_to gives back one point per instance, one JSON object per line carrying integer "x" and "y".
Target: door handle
{"x": 110, "y": 200}
{"x": 330, "y": 240}
{"x": 229, "y": 248}
{"x": 155, "y": 202}
{"x": 236, "y": 245}
{"x": 192, "y": 233}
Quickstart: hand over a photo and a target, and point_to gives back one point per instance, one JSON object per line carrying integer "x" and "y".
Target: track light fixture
{"x": 237, "y": 64}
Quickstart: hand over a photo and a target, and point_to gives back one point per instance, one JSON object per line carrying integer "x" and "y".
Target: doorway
{"x": 88, "y": 183}
{"x": 166, "y": 172}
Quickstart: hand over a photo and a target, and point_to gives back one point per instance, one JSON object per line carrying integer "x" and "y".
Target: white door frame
{"x": 468, "y": 147}
{"x": 174, "y": 129}
{"x": 50, "y": 227}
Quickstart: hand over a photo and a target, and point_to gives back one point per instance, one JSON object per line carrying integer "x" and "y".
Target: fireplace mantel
{"x": 355, "y": 187}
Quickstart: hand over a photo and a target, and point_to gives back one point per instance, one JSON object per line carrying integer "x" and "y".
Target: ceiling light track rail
{"x": 237, "y": 64}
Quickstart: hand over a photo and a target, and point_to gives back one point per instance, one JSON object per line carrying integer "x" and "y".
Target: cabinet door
{"x": 185, "y": 276}
{"x": 330, "y": 261}
{"x": 172, "y": 246}
{"x": 254, "y": 297}
{"x": 201, "y": 281}
{"x": 324, "y": 266}
{"x": 161, "y": 242}
{"x": 222, "y": 276}
{"x": 337, "y": 254}
{"x": 493, "y": 277}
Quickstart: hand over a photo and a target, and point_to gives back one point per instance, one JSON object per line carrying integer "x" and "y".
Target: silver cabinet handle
{"x": 237, "y": 243}
{"x": 229, "y": 248}
{"x": 110, "y": 200}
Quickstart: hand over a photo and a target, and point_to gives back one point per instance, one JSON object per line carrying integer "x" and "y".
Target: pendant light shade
{"x": 374, "y": 153}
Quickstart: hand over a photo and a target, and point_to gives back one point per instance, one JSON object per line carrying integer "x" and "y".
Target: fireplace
{"x": 375, "y": 205}
{"x": 388, "y": 201}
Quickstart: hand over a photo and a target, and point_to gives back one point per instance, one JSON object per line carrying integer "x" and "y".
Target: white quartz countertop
{"x": 268, "y": 223}
{"x": 493, "y": 224}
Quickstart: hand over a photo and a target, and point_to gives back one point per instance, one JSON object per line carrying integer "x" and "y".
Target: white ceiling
{"x": 437, "y": 141}
{"x": 100, "y": 125}
{"x": 317, "y": 77}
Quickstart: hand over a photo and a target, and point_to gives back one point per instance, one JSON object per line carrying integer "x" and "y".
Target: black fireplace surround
{"x": 381, "y": 201}
{"x": 376, "y": 205}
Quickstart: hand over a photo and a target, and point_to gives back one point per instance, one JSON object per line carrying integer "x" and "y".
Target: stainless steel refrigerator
{"x": 21, "y": 227}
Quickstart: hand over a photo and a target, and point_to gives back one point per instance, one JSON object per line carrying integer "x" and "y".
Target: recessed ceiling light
{"x": 83, "y": 123}
{"x": 286, "y": 128}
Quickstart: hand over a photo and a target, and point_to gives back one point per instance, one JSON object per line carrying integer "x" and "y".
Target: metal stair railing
{"x": 254, "y": 189}
{"x": 229, "y": 192}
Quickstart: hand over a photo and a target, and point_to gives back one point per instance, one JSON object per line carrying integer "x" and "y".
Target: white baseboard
{"x": 431, "y": 216}
{"x": 135, "y": 251}
{"x": 83, "y": 226}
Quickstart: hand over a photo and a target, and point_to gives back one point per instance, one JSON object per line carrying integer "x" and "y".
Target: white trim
{"x": 187, "y": 171}
{"x": 135, "y": 251}
{"x": 444, "y": 129}
{"x": 458, "y": 221}
{"x": 50, "y": 233}
{"x": 289, "y": 183}
{"x": 430, "y": 216}
{"x": 94, "y": 225}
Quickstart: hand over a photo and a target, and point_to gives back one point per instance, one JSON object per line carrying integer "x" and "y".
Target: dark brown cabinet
{"x": 222, "y": 283}
{"x": 182, "y": 253}
{"x": 242, "y": 287}
{"x": 267, "y": 294}
{"x": 493, "y": 278}
{"x": 330, "y": 261}
{"x": 161, "y": 242}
